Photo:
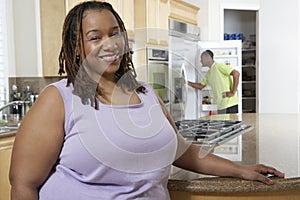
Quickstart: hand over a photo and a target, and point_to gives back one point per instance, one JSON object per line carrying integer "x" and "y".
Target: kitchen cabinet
{"x": 52, "y": 14}
{"x": 249, "y": 80}
{"x": 151, "y": 21}
{"x": 71, "y": 3}
{"x": 123, "y": 7}
{"x": 6, "y": 145}
{"x": 127, "y": 15}
{"x": 152, "y": 18}
{"x": 183, "y": 11}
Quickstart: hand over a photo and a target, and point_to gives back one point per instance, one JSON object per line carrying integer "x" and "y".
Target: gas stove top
{"x": 211, "y": 132}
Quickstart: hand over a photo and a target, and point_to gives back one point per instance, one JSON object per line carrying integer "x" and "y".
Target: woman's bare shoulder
{"x": 49, "y": 105}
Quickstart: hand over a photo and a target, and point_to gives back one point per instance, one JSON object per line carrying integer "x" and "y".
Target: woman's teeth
{"x": 109, "y": 58}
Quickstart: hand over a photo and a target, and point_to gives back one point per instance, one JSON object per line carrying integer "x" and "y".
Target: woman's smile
{"x": 110, "y": 57}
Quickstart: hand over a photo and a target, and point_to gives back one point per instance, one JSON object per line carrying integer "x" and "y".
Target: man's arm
{"x": 196, "y": 85}
{"x": 236, "y": 75}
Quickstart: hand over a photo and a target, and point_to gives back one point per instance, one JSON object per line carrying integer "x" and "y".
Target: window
{"x": 3, "y": 55}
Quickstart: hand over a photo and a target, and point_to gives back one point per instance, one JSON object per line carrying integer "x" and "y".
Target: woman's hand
{"x": 260, "y": 173}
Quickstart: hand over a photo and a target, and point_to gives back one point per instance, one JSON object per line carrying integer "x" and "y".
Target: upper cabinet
{"x": 151, "y": 18}
{"x": 52, "y": 14}
{"x": 125, "y": 8}
{"x": 71, "y": 3}
{"x": 151, "y": 21}
{"x": 183, "y": 11}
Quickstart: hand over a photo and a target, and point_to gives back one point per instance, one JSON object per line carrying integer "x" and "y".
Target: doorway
{"x": 242, "y": 24}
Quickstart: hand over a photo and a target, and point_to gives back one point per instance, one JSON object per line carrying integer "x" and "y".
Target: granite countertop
{"x": 275, "y": 141}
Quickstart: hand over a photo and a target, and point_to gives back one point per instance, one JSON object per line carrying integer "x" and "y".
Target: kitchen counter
{"x": 275, "y": 141}
{"x": 8, "y": 133}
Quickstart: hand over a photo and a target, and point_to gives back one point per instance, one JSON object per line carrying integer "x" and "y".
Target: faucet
{"x": 25, "y": 106}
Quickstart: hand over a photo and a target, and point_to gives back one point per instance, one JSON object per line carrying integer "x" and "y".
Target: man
{"x": 223, "y": 86}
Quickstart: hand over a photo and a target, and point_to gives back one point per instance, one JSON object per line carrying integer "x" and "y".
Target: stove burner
{"x": 211, "y": 131}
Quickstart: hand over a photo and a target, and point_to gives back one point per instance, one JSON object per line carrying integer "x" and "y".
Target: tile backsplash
{"x": 36, "y": 83}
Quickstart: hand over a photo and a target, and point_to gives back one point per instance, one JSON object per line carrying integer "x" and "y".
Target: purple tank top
{"x": 116, "y": 152}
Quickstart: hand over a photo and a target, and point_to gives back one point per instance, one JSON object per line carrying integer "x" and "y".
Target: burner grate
{"x": 211, "y": 132}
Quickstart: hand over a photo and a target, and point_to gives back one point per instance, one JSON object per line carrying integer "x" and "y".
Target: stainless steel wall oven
{"x": 158, "y": 73}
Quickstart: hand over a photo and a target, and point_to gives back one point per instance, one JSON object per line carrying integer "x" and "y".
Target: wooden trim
{"x": 185, "y": 4}
{"x": 6, "y": 142}
{"x": 164, "y": 1}
{"x": 152, "y": 41}
{"x": 130, "y": 34}
{"x": 185, "y": 12}
{"x": 183, "y": 19}
{"x": 163, "y": 43}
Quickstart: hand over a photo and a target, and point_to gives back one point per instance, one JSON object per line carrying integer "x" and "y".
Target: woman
{"x": 100, "y": 134}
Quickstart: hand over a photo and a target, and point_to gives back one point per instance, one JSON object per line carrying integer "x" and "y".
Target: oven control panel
{"x": 157, "y": 54}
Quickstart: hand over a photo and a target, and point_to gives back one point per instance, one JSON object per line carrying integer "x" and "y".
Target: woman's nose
{"x": 109, "y": 44}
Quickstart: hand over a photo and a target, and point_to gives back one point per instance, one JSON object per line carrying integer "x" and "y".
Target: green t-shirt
{"x": 220, "y": 80}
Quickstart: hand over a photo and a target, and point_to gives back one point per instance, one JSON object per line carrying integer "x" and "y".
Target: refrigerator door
{"x": 182, "y": 58}
{"x": 190, "y": 53}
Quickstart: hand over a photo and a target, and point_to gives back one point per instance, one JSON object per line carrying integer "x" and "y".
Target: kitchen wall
{"x": 240, "y": 21}
{"x": 23, "y": 45}
{"x": 279, "y": 54}
{"x": 36, "y": 84}
{"x": 211, "y": 15}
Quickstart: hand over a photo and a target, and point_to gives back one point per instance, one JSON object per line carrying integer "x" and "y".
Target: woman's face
{"x": 103, "y": 43}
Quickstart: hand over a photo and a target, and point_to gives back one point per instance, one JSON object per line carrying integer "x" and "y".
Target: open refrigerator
{"x": 184, "y": 64}
{"x": 228, "y": 52}
{"x": 187, "y": 103}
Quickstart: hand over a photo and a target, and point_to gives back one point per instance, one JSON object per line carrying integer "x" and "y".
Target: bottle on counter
{"x": 16, "y": 109}
{"x": 26, "y": 99}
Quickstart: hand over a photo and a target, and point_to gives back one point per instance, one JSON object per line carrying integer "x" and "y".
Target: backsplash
{"x": 36, "y": 84}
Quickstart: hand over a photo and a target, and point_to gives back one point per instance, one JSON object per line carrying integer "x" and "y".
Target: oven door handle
{"x": 158, "y": 62}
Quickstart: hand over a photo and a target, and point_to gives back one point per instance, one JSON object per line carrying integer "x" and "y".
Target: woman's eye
{"x": 94, "y": 38}
{"x": 115, "y": 34}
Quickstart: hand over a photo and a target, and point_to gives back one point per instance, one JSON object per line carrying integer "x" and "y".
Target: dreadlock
{"x": 72, "y": 55}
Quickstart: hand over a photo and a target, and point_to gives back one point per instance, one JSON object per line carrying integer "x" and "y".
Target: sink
{"x": 4, "y": 129}
{"x": 9, "y": 123}
{"x": 8, "y": 126}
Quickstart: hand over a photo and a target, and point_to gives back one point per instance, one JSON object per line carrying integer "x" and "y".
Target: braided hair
{"x": 71, "y": 55}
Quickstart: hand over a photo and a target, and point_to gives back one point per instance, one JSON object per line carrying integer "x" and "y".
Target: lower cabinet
{"x": 6, "y": 145}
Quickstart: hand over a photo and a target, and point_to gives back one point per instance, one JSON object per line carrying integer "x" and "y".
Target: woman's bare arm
{"x": 37, "y": 145}
{"x": 196, "y": 159}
